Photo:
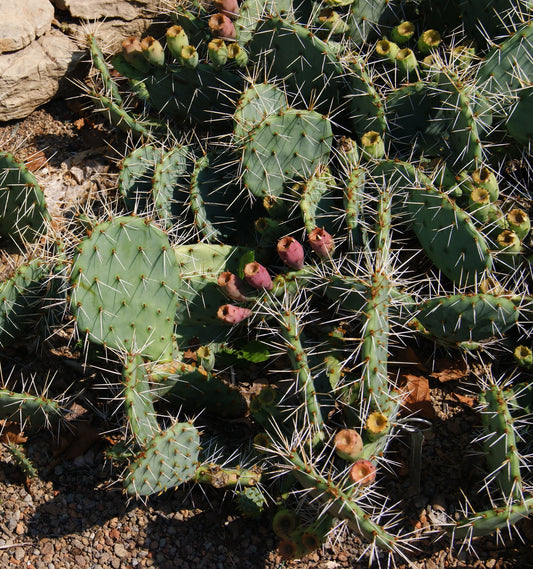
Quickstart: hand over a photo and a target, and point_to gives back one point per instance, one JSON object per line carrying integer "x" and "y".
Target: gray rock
{"x": 108, "y": 33}
{"x": 98, "y": 9}
{"x": 21, "y": 21}
{"x": 31, "y": 77}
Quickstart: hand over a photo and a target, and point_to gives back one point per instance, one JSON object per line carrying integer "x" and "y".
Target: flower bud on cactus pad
{"x": 348, "y": 444}
{"x": 132, "y": 52}
{"x": 229, "y": 8}
{"x": 519, "y": 222}
{"x": 403, "y": 32}
{"x": 222, "y": 27}
{"x": 257, "y": 276}
{"x": 291, "y": 252}
{"x": 376, "y": 425}
{"x": 523, "y": 356}
{"x": 362, "y": 472}
{"x": 430, "y": 39}
{"x": 153, "y": 51}
{"x": 284, "y": 523}
{"x": 176, "y": 40}
{"x": 218, "y": 52}
{"x": 321, "y": 242}
{"x": 233, "y": 314}
{"x": 232, "y": 285}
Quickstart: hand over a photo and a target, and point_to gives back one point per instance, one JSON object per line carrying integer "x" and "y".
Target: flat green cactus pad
{"x": 125, "y": 284}
{"x": 468, "y": 318}
{"x": 285, "y": 147}
{"x": 23, "y": 213}
{"x": 169, "y": 459}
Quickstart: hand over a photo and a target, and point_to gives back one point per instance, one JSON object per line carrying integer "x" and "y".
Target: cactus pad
{"x": 124, "y": 287}
{"x": 169, "y": 459}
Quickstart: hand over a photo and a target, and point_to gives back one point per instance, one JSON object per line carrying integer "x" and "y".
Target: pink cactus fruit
{"x": 291, "y": 252}
{"x": 348, "y": 444}
{"x": 321, "y": 242}
{"x": 232, "y": 285}
{"x": 222, "y": 27}
{"x": 256, "y": 275}
{"x": 229, "y": 8}
{"x": 233, "y": 314}
{"x": 362, "y": 472}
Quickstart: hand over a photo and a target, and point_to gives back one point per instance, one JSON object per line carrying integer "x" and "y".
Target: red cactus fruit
{"x": 291, "y": 252}
{"x": 348, "y": 444}
{"x": 362, "y": 472}
{"x": 222, "y": 27}
{"x": 232, "y": 285}
{"x": 229, "y": 8}
{"x": 233, "y": 314}
{"x": 321, "y": 242}
{"x": 256, "y": 275}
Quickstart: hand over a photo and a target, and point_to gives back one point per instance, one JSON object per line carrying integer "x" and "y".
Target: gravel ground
{"x": 74, "y": 513}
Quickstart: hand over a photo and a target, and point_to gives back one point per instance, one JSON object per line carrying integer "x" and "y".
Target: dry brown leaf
{"x": 417, "y": 399}
{"x": 11, "y": 433}
{"x": 449, "y": 370}
{"x": 36, "y": 161}
{"x": 466, "y": 399}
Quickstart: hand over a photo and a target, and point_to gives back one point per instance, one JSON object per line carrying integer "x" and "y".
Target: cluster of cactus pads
{"x": 312, "y": 184}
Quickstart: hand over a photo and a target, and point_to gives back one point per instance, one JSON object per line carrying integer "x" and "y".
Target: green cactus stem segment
{"x": 290, "y": 331}
{"x": 32, "y": 412}
{"x": 168, "y": 460}
{"x": 138, "y": 400}
{"x": 219, "y": 477}
{"x": 489, "y": 521}
{"x": 21, "y": 460}
{"x": 124, "y": 288}
{"x": 468, "y": 318}
{"x": 340, "y": 504}
{"x": 24, "y": 215}
{"x": 98, "y": 60}
{"x": 285, "y": 146}
{"x": 500, "y": 441}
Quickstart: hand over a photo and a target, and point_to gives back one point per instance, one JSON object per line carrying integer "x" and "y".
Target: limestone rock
{"x": 109, "y": 33}
{"x": 31, "y": 77}
{"x": 98, "y": 9}
{"x": 21, "y": 21}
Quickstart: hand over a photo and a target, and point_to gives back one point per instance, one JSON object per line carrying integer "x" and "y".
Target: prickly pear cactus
{"x": 313, "y": 186}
